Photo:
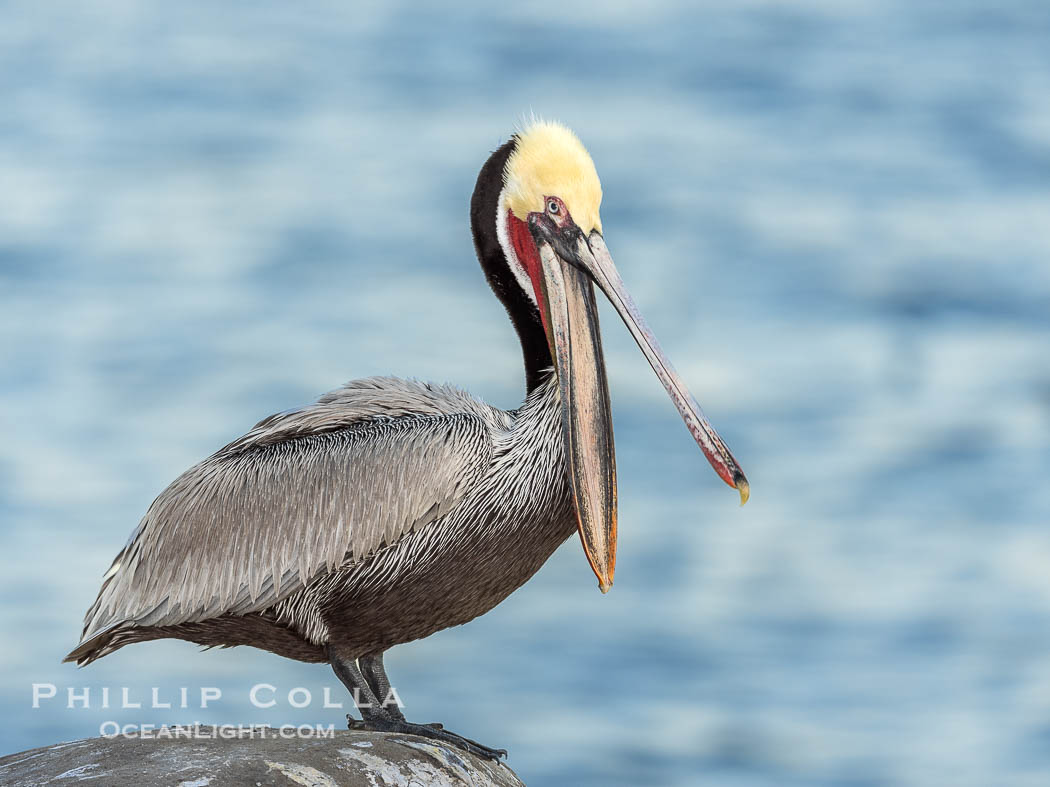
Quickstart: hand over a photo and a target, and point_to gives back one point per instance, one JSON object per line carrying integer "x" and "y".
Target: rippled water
{"x": 836, "y": 216}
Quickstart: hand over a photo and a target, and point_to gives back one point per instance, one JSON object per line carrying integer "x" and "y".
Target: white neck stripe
{"x": 522, "y": 275}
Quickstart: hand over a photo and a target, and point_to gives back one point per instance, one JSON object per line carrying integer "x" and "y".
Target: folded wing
{"x": 295, "y": 498}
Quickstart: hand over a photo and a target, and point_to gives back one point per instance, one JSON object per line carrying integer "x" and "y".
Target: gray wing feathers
{"x": 298, "y": 496}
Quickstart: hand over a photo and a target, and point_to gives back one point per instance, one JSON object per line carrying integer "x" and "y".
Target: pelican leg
{"x": 368, "y": 705}
{"x": 375, "y": 675}
{"x": 377, "y": 717}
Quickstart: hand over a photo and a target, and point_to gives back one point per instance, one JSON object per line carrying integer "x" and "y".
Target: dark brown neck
{"x": 523, "y": 312}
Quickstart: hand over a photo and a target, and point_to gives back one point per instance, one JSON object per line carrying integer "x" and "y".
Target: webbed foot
{"x": 434, "y": 731}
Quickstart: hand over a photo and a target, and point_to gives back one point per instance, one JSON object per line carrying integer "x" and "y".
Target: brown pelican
{"x": 392, "y": 509}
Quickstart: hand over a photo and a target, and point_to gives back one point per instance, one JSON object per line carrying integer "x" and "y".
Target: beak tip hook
{"x": 744, "y": 488}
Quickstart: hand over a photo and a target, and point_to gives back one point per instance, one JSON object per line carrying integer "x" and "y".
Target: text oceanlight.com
{"x": 198, "y": 731}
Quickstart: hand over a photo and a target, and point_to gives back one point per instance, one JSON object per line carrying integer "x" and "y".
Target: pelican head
{"x": 543, "y": 193}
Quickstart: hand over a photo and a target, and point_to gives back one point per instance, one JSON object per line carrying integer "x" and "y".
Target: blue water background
{"x": 836, "y": 216}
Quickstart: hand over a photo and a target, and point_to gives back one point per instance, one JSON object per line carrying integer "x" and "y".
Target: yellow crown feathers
{"x": 550, "y": 161}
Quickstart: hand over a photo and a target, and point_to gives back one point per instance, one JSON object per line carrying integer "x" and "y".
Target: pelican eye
{"x": 552, "y": 207}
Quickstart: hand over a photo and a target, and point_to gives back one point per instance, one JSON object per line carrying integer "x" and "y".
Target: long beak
{"x": 575, "y": 342}
{"x": 593, "y": 256}
{"x": 576, "y": 346}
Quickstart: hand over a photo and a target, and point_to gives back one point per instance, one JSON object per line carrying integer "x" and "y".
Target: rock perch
{"x": 350, "y": 759}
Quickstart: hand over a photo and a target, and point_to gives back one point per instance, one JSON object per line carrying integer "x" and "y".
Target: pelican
{"x": 391, "y": 509}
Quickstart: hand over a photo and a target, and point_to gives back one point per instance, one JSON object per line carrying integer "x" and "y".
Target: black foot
{"x": 434, "y": 731}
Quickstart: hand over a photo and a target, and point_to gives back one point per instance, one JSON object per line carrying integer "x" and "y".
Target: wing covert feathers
{"x": 299, "y": 495}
